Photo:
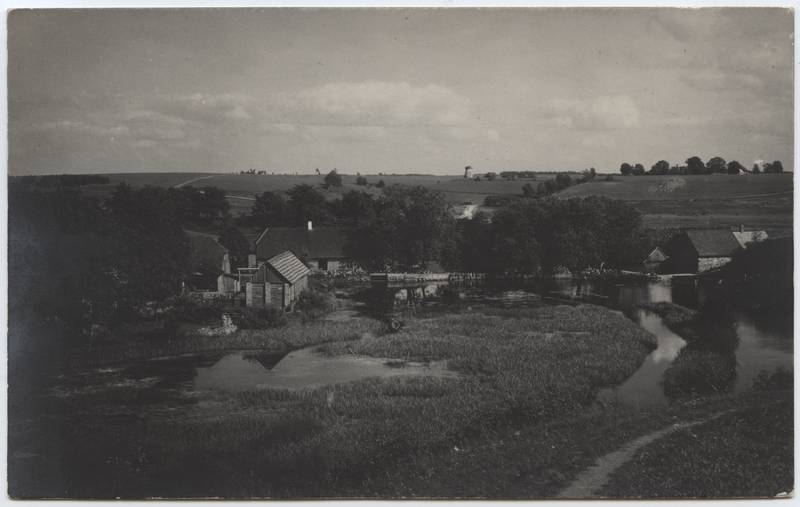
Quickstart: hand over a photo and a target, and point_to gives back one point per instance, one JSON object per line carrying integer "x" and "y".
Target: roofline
{"x": 261, "y": 236}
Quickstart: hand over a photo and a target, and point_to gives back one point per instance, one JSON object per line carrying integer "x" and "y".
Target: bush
{"x": 313, "y": 304}
{"x": 380, "y": 184}
{"x": 361, "y": 181}
{"x": 196, "y": 312}
{"x": 259, "y": 318}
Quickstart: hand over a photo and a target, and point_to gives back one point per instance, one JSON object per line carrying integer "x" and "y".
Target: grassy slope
{"x": 763, "y": 201}
{"x": 744, "y": 454}
{"x": 535, "y": 366}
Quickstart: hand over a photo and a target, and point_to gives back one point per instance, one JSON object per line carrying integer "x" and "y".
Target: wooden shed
{"x": 278, "y": 282}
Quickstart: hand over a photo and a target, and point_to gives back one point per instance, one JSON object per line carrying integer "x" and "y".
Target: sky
{"x": 396, "y": 90}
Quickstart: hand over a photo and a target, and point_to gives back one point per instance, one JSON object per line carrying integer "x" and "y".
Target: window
{"x": 323, "y": 264}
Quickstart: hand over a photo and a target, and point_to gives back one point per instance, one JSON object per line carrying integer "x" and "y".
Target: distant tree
{"x": 270, "y": 210}
{"x": 491, "y": 176}
{"x": 563, "y": 180}
{"x": 734, "y": 167}
{"x": 756, "y": 169}
{"x": 774, "y": 167}
{"x": 361, "y": 180}
{"x": 638, "y": 170}
{"x": 305, "y": 204}
{"x": 333, "y": 179}
{"x": 660, "y": 167}
{"x": 380, "y": 184}
{"x": 716, "y": 165}
{"x": 477, "y": 177}
{"x": 356, "y": 207}
{"x": 626, "y": 169}
{"x": 695, "y": 165}
{"x": 237, "y": 245}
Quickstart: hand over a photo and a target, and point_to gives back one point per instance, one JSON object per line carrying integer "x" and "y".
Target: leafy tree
{"x": 355, "y": 207}
{"x": 734, "y": 167}
{"x": 756, "y": 169}
{"x": 694, "y": 165}
{"x": 716, "y": 165}
{"x": 638, "y": 170}
{"x": 774, "y": 167}
{"x": 660, "y": 167}
{"x": 626, "y": 169}
{"x": 270, "y": 209}
{"x": 305, "y": 204}
{"x": 361, "y": 180}
{"x": 380, "y": 184}
{"x": 491, "y": 176}
{"x": 237, "y": 245}
{"x": 333, "y": 179}
{"x": 411, "y": 227}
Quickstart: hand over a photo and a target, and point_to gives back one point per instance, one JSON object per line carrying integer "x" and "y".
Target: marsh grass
{"x": 529, "y": 366}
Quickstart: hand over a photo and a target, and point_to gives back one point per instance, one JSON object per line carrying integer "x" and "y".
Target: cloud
{"x": 604, "y": 112}
{"x": 205, "y": 107}
{"x": 383, "y": 103}
{"x": 718, "y": 80}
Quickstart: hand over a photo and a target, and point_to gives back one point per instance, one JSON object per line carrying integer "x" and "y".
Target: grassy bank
{"x": 537, "y": 367}
{"x": 747, "y": 453}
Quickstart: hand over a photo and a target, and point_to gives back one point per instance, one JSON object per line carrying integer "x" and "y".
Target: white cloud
{"x": 604, "y": 112}
{"x": 375, "y": 103}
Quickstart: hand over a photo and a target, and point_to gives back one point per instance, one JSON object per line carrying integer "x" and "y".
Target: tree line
{"x": 695, "y": 165}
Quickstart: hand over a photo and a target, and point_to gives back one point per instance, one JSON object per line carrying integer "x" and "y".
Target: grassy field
{"x": 528, "y": 367}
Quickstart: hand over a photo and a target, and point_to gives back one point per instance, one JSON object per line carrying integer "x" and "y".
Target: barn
{"x": 700, "y": 250}
{"x": 278, "y": 282}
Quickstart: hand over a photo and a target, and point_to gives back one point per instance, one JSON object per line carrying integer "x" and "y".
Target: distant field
{"x": 456, "y": 188}
{"x": 715, "y": 186}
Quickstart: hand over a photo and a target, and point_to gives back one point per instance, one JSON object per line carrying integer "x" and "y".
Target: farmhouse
{"x": 321, "y": 248}
{"x": 278, "y": 282}
{"x": 655, "y": 260}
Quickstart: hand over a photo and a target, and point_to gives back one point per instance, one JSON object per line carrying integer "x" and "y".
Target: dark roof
{"x": 319, "y": 243}
{"x": 713, "y": 242}
{"x": 657, "y": 255}
{"x": 289, "y": 267}
{"x": 204, "y": 250}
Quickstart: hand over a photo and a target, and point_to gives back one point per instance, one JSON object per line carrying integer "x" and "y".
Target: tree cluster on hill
{"x": 514, "y": 175}
{"x": 560, "y": 182}
{"x": 695, "y": 165}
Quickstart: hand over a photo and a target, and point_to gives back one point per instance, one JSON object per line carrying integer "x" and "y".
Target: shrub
{"x": 380, "y": 184}
{"x": 259, "y": 318}
{"x": 313, "y": 304}
{"x": 196, "y": 312}
{"x": 361, "y": 181}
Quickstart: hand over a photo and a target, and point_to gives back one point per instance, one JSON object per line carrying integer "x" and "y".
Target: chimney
{"x": 310, "y": 227}
{"x": 251, "y": 260}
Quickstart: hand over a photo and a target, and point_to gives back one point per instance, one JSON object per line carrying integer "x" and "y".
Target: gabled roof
{"x": 288, "y": 266}
{"x": 745, "y": 237}
{"x": 319, "y": 243}
{"x": 713, "y": 242}
{"x": 204, "y": 250}
{"x": 657, "y": 255}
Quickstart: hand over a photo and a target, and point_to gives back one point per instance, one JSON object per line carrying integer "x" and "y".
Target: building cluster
{"x": 700, "y": 250}
{"x": 276, "y": 273}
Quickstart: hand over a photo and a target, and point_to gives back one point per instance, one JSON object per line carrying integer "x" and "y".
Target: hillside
{"x": 719, "y": 200}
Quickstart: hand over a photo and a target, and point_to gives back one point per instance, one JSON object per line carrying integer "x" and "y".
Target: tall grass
{"x": 532, "y": 365}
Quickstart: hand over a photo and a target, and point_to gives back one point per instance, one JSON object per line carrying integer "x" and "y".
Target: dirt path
{"x": 596, "y": 476}
{"x": 183, "y": 183}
